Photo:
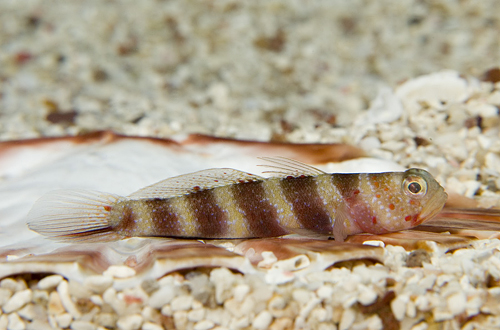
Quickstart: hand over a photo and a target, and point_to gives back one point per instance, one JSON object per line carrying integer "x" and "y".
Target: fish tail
{"x": 74, "y": 216}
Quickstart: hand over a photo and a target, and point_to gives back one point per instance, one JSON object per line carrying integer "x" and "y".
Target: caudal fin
{"x": 74, "y": 216}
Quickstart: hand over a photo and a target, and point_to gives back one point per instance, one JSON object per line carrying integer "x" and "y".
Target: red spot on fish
{"x": 412, "y": 202}
{"x": 374, "y": 220}
{"x": 241, "y": 181}
{"x": 377, "y": 195}
{"x": 376, "y": 184}
{"x": 196, "y": 188}
{"x": 386, "y": 189}
{"x": 216, "y": 180}
{"x": 408, "y": 218}
{"x": 289, "y": 177}
{"x": 415, "y": 218}
{"x": 302, "y": 176}
{"x": 391, "y": 206}
{"x": 355, "y": 192}
{"x": 107, "y": 208}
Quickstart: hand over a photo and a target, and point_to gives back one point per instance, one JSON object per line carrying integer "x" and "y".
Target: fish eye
{"x": 415, "y": 186}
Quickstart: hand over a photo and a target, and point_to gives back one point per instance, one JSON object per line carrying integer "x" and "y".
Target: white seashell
{"x": 434, "y": 88}
{"x": 385, "y": 108}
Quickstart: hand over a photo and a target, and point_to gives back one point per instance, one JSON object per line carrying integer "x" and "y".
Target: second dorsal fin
{"x": 193, "y": 182}
{"x": 289, "y": 167}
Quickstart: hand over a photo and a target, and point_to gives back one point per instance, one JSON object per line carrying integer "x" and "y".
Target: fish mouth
{"x": 434, "y": 206}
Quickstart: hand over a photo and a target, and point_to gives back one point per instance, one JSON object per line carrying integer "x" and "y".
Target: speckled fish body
{"x": 226, "y": 203}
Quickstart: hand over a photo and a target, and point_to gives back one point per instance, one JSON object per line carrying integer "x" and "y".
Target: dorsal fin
{"x": 193, "y": 182}
{"x": 290, "y": 167}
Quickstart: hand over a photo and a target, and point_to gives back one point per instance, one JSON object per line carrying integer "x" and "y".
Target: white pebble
{"x": 398, "y": 307}
{"x": 161, "y": 297}
{"x": 325, "y": 292}
{"x": 98, "y": 283}
{"x": 119, "y": 272}
{"x": 223, "y": 280}
{"x": 82, "y": 325}
{"x": 420, "y": 326}
{"x": 196, "y": 315}
{"x": 66, "y": 301}
{"x": 204, "y": 325}
{"x": 369, "y": 143}
{"x": 240, "y": 291}
{"x": 347, "y": 319}
{"x": 457, "y": 303}
{"x": 50, "y": 282}
{"x": 167, "y": 310}
{"x": 262, "y": 320}
{"x": 301, "y": 296}
{"x": 27, "y": 312}
{"x": 180, "y": 319}
{"x": 130, "y": 322}
{"x": 411, "y": 309}
{"x": 182, "y": 303}
{"x": 278, "y": 276}
{"x": 427, "y": 282}
{"x": 311, "y": 304}
{"x": 4, "y": 321}
{"x": 366, "y": 295}
{"x": 284, "y": 323}
{"x": 96, "y": 300}
{"x": 492, "y": 161}
{"x": 109, "y": 297}
{"x": 242, "y": 322}
{"x": 151, "y": 326}
{"x": 319, "y": 314}
{"x": 374, "y": 243}
{"x": 277, "y": 302}
{"x": 441, "y": 315}
{"x": 55, "y": 306}
{"x": 12, "y": 285}
{"x": 149, "y": 314}
{"x": 5, "y": 295}
{"x": 327, "y": 326}
{"x": 107, "y": 320}
{"x": 18, "y": 300}
{"x": 63, "y": 320}
{"x": 15, "y": 322}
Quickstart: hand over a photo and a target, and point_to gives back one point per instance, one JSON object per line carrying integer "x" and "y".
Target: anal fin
{"x": 339, "y": 228}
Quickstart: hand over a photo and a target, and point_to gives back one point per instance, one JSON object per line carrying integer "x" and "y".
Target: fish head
{"x": 390, "y": 202}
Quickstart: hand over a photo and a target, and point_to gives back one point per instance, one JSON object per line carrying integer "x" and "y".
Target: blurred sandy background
{"x": 268, "y": 70}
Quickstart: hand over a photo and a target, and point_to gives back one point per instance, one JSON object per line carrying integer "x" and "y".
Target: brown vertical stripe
{"x": 164, "y": 220}
{"x": 259, "y": 212}
{"x": 347, "y": 184}
{"x": 124, "y": 213}
{"x": 211, "y": 220}
{"x": 308, "y": 206}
